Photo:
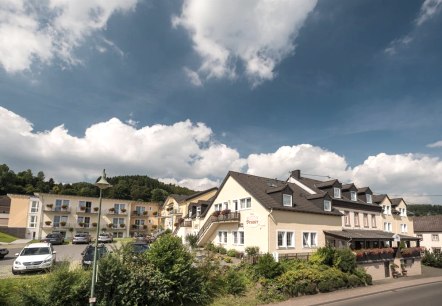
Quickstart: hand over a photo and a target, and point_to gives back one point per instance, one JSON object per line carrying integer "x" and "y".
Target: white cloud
{"x": 437, "y": 144}
{"x": 193, "y": 77}
{"x": 257, "y": 33}
{"x": 396, "y": 44}
{"x": 39, "y": 31}
{"x": 186, "y": 154}
{"x": 428, "y": 10}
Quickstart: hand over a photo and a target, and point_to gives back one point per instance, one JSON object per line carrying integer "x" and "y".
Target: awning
{"x": 374, "y": 235}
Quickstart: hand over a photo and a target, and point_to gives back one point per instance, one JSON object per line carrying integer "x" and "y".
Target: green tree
{"x": 159, "y": 195}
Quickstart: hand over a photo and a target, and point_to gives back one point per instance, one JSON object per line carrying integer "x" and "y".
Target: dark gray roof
{"x": 366, "y": 234}
{"x": 396, "y": 201}
{"x": 199, "y": 193}
{"x": 326, "y": 183}
{"x": 179, "y": 197}
{"x": 364, "y": 190}
{"x": 346, "y": 187}
{"x": 428, "y": 223}
{"x": 257, "y": 187}
{"x": 378, "y": 198}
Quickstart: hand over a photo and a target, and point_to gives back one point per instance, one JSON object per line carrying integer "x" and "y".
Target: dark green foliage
{"x": 424, "y": 209}
{"x": 192, "y": 240}
{"x": 432, "y": 259}
{"x": 354, "y": 281}
{"x": 267, "y": 267}
{"x": 323, "y": 256}
{"x": 270, "y": 292}
{"x": 235, "y": 282}
{"x": 344, "y": 260}
{"x": 232, "y": 253}
{"x": 220, "y": 249}
{"x": 252, "y": 250}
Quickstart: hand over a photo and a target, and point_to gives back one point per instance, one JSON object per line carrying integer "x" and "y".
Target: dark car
{"x": 88, "y": 254}
{"x": 3, "y": 253}
{"x": 139, "y": 247}
{"x": 54, "y": 238}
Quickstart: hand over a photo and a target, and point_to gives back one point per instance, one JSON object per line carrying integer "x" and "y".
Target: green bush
{"x": 235, "y": 282}
{"x": 354, "y": 281}
{"x": 210, "y": 247}
{"x": 252, "y": 251}
{"x": 364, "y": 277}
{"x": 227, "y": 259}
{"x": 432, "y": 259}
{"x": 267, "y": 267}
{"x": 221, "y": 250}
{"x": 269, "y": 292}
{"x": 296, "y": 282}
{"x": 344, "y": 260}
{"x": 323, "y": 256}
{"x": 232, "y": 253}
{"x": 192, "y": 240}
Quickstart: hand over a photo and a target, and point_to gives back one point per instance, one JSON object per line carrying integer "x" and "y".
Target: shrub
{"x": 344, "y": 260}
{"x": 364, "y": 277}
{"x": 270, "y": 292}
{"x": 252, "y": 251}
{"x": 323, "y": 256}
{"x": 354, "y": 281}
{"x": 267, "y": 267}
{"x": 210, "y": 247}
{"x": 221, "y": 250}
{"x": 232, "y": 253}
{"x": 227, "y": 259}
{"x": 235, "y": 282}
{"x": 192, "y": 240}
{"x": 301, "y": 281}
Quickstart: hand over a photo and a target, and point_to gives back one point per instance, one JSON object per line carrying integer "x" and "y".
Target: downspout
{"x": 268, "y": 230}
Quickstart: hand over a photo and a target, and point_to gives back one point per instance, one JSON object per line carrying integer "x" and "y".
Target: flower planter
{"x": 62, "y": 223}
{"x": 122, "y": 225}
{"x": 48, "y": 222}
{"x": 94, "y": 224}
{"x": 95, "y": 209}
{"x": 82, "y": 208}
{"x": 145, "y": 213}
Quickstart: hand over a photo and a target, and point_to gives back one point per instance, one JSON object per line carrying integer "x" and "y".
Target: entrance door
{"x": 387, "y": 268}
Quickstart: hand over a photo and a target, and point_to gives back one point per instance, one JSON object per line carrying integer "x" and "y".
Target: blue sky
{"x": 186, "y": 90}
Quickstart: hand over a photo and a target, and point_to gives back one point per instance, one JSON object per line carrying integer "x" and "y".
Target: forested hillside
{"x": 425, "y": 209}
{"x": 136, "y": 187}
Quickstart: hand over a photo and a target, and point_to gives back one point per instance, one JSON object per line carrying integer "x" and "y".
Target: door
{"x": 387, "y": 268}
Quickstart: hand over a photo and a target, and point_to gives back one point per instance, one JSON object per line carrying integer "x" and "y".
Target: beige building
{"x": 429, "y": 230}
{"x": 143, "y": 218}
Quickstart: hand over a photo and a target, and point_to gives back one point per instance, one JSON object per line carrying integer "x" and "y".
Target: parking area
{"x": 67, "y": 252}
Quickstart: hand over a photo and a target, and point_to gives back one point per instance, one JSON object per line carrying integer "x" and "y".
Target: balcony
{"x": 138, "y": 227}
{"x": 58, "y": 225}
{"x": 171, "y": 211}
{"x": 112, "y": 226}
{"x": 137, "y": 214}
{"x": 86, "y": 226}
{"x": 87, "y": 210}
{"x": 113, "y": 211}
{"x": 57, "y": 209}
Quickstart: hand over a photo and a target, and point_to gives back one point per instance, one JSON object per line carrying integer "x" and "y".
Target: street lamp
{"x": 102, "y": 184}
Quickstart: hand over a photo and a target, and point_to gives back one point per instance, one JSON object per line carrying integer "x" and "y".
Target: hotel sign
{"x": 252, "y": 221}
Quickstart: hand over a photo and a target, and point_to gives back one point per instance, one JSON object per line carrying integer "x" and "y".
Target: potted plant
{"x": 155, "y": 213}
{"x": 145, "y": 226}
{"x": 112, "y": 209}
{"x": 216, "y": 213}
{"x": 154, "y": 226}
{"x": 123, "y": 210}
{"x": 71, "y": 229}
{"x": 94, "y": 224}
{"x": 145, "y": 212}
{"x": 135, "y": 213}
{"x": 95, "y": 209}
{"x": 63, "y": 223}
{"x": 48, "y": 222}
{"x": 64, "y": 206}
{"x": 110, "y": 225}
{"x": 122, "y": 225}
{"x": 82, "y": 208}
{"x": 176, "y": 224}
{"x": 49, "y": 206}
{"x": 134, "y": 226}
{"x": 225, "y": 212}
{"x": 104, "y": 229}
{"x": 81, "y": 224}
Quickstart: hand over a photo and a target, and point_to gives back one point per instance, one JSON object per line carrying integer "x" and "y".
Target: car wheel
{"x": 14, "y": 272}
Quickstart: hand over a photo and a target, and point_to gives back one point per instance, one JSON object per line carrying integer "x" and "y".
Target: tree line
{"x": 132, "y": 187}
{"x": 425, "y": 209}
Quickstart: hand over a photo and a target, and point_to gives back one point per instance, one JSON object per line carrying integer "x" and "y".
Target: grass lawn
{"x": 7, "y": 238}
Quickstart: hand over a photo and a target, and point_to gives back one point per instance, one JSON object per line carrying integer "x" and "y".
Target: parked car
{"x": 139, "y": 247}
{"x": 34, "y": 257}
{"x": 88, "y": 254}
{"x": 81, "y": 238}
{"x": 54, "y": 238}
{"x": 105, "y": 237}
{"x": 3, "y": 253}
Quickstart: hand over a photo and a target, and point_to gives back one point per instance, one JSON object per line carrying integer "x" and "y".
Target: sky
{"x": 186, "y": 90}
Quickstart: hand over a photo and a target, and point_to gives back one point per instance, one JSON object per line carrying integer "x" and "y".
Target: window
{"x": 353, "y": 196}
{"x": 198, "y": 211}
{"x": 34, "y": 206}
{"x": 32, "y": 221}
{"x": 84, "y": 220}
{"x": 235, "y": 205}
{"x": 218, "y": 207}
{"x": 419, "y": 236}
{"x": 226, "y": 205}
{"x": 309, "y": 240}
{"x": 238, "y": 237}
{"x": 404, "y": 228}
{"x": 436, "y": 250}
{"x": 434, "y": 237}
{"x": 286, "y": 239}
{"x": 365, "y": 220}
{"x": 369, "y": 198}
{"x": 403, "y": 212}
{"x": 222, "y": 237}
{"x": 117, "y": 221}
{"x": 387, "y": 209}
{"x": 59, "y": 204}
{"x": 336, "y": 192}
{"x": 356, "y": 217}
{"x": 245, "y": 203}
{"x": 373, "y": 221}
{"x": 327, "y": 205}
{"x": 387, "y": 226}
{"x": 139, "y": 223}
{"x": 287, "y": 200}
{"x": 118, "y": 208}
{"x": 140, "y": 210}
{"x": 347, "y": 218}
{"x": 85, "y": 206}
{"x": 59, "y": 219}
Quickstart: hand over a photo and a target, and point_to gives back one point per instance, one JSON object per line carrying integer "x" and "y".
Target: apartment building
{"x": 429, "y": 230}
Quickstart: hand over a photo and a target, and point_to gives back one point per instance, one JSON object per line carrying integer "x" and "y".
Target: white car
{"x": 34, "y": 257}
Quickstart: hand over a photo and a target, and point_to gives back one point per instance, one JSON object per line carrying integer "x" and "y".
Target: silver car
{"x": 105, "y": 237}
{"x": 81, "y": 238}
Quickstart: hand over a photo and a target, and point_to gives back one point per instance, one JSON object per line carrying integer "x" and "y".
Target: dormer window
{"x": 287, "y": 200}
{"x": 353, "y": 196}
{"x": 369, "y": 199}
{"x": 327, "y": 205}
{"x": 337, "y": 193}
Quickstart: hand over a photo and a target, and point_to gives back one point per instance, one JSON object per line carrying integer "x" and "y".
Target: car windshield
{"x": 80, "y": 235}
{"x": 35, "y": 251}
{"x": 89, "y": 253}
{"x": 139, "y": 248}
{"x": 51, "y": 236}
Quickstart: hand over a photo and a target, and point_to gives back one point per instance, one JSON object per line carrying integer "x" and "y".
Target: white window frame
{"x": 286, "y": 242}
{"x": 404, "y": 228}
{"x": 347, "y": 221}
{"x": 353, "y": 196}
{"x": 118, "y": 207}
{"x": 336, "y": 192}
{"x": 327, "y": 205}
{"x": 245, "y": 203}
{"x": 238, "y": 237}
{"x": 434, "y": 237}
{"x": 365, "y": 220}
{"x": 218, "y": 206}
{"x": 373, "y": 221}
{"x": 356, "y": 219}
{"x": 222, "y": 237}
{"x": 225, "y": 205}
{"x": 287, "y": 200}
{"x": 369, "y": 198}
{"x": 34, "y": 208}
{"x": 235, "y": 205}
{"x": 198, "y": 211}
{"x": 32, "y": 222}
{"x": 309, "y": 244}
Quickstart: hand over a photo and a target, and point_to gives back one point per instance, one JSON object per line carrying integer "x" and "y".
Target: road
{"x": 67, "y": 252}
{"x": 425, "y": 295}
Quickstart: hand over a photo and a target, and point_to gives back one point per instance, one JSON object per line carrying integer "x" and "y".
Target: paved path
{"x": 429, "y": 275}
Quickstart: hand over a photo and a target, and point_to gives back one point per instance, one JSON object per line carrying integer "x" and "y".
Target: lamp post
{"x": 101, "y": 184}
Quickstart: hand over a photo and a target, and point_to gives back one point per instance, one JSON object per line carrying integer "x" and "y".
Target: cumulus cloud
{"x": 187, "y": 154}
{"x": 256, "y": 34}
{"x": 436, "y": 144}
{"x": 39, "y": 31}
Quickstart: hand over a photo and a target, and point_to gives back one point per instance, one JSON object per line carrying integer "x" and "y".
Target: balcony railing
{"x": 86, "y": 225}
{"x": 139, "y": 227}
{"x": 87, "y": 210}
{"x": 218, "y": 217}
{"x": 61, "y": 224}
{"x": 116, "y": 212}
{"x": 62, "y": 209}
{"x": 144, "y": 214}
{"x": 116, "y": 226}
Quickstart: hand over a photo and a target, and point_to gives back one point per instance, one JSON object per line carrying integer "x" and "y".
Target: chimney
{"x": 296, "y": 174}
